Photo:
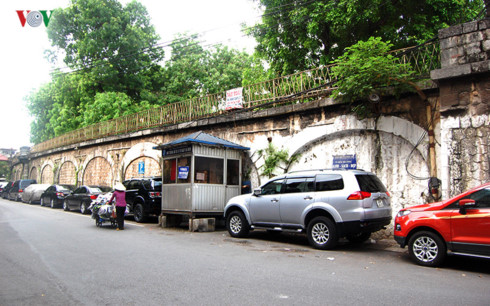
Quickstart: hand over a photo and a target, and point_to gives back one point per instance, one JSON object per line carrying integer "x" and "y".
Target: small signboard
{"x": 183, "y": 173}
{"x": 234, "y": 98}
{"x": 176, "y": 151}
{"x": 141, "y": 167}
{"x": 345, "y": 161}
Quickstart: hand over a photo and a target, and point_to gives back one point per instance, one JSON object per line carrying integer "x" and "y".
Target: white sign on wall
{"x": 234, "y": 98}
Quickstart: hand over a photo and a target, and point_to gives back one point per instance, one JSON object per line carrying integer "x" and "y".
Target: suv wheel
{"x": 237, "y": 224}
{"x": 52, "y": 203}
{"x": 138, "y": 213}
{"x": 41, "y": 202}
{"x": 65, "y": 206}
{"x": 427, "y": 249}
{"x": 322, "y": 233}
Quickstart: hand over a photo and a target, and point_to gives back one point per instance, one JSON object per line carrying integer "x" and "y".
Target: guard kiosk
{"x": 200, "y": 174}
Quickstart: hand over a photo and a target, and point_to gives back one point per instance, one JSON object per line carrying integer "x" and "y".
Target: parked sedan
{"x": 32, "y": 193}
{"x": 55, "y": 195}
{"x": 81, "y": 197}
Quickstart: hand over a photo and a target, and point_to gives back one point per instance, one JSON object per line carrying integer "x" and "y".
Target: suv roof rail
{"x": 143, "y": 177}
{"x": 325, "y": 169}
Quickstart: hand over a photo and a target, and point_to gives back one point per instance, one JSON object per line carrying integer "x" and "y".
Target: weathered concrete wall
{"x": 316, "y": 131}
{"x": 464, "y": 81}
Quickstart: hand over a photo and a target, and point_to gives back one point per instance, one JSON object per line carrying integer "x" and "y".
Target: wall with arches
{"x": 393, "y": 147}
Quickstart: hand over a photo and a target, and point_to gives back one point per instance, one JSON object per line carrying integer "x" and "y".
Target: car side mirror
{"x": 464, "y": 204}
{"x": 257, "y": 192}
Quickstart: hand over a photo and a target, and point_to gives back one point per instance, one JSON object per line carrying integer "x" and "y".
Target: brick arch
{"x": 47, "y": 176}
{"x": 141, "y": 152}
{"x": 399, "y": 127}
{"x": 67, "y": 173}
{"x": 382, "y": 152}
{"x": 152, "y": 168}
{"x": 33, "y": 173}
{"x": 98, "y": 171}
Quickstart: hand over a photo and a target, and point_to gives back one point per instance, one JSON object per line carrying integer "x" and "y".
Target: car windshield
{"x": 370, "y": 183}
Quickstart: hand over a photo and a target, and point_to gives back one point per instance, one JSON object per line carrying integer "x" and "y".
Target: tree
{"x": 367, "y": 68}
{"x": 114, "y": 45}
{"x": 109, "y": 48}
{"x": 194, "y": 71}
{"x": 298, "y": 35}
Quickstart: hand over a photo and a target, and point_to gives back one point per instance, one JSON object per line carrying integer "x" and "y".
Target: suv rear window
{"x": 370, "y": 183}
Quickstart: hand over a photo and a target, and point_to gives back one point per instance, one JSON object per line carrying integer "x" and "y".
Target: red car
{"x": 460, "y": 225}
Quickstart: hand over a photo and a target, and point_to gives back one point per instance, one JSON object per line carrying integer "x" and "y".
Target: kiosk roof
{"x": 203, "y": 138}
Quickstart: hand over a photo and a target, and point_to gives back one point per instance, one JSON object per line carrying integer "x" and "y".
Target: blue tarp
{"x": 203, "y": 138}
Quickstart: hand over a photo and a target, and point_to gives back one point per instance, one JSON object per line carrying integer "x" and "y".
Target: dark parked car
{"x": 81, "y": 197}
{"x": 15, "y": 192}
{"x": 5, "y": 189}
{"x": 55, "y": 195}
{"x": 144, "y": 197}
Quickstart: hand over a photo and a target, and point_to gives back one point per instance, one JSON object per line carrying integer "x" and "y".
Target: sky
{"x": 24, "y": 68}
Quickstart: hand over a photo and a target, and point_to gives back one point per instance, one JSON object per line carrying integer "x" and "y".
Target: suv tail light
{"x": 155, "y": 194}
{"x": 59, "y": 194}
{"x": 93, "y": 197}
{"x": 359, "y": 195}
{"x": 20, "y": 190}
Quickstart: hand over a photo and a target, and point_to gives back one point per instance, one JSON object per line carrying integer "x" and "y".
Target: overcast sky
{"x": 24, "y": 68}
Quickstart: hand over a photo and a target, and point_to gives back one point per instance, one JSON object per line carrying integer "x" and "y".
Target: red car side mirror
{"x": 466, "y": 203}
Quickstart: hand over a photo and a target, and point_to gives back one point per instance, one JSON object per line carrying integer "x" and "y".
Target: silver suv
{"x": 327, "y": 204}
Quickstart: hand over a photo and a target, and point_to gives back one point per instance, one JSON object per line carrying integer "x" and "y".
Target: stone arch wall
{"x": 33, "y": 174}
{"x": 98, "y": 171}
{"x": 379, "y": 152}
{"x": 151, "y": 168}
{"x": 47, "y": 175}
{"x": 141, "y": 152}
{"x": 67, "y": 173}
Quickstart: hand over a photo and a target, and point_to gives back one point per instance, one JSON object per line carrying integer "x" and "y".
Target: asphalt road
{"x": 52, "y": 257}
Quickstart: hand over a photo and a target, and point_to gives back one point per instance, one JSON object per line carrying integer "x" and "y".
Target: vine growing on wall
{"x": 274, "y": 159}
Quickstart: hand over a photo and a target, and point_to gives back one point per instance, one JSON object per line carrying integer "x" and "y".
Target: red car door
{"x": 471, "y": 227}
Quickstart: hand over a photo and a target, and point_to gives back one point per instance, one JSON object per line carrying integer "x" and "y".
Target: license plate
{"x": 380, "y": 203}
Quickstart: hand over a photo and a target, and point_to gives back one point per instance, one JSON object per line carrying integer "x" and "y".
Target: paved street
{"x": 52, "y": 257}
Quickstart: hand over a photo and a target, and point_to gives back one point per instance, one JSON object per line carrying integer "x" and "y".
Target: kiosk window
{"x": 208, "y": 170}
{"x": 170, "y": 171}
{"x": 183, "y": 170}
{"x": 232, "y": 172}
{"x": 176, "y": 170}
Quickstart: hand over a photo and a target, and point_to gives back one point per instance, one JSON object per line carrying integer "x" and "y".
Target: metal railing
{"x": 422, "y": 58}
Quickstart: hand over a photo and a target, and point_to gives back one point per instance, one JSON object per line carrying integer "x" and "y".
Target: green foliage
{"x": 256, "y": 71}
{"x": 298, "y": 35}
{"x": 194, "y": 71}
{"x": 4, "y": 169}
{"x": 367, "y": 68}
{"x": 274, "y": 158}
{"x": 110, "y": 105}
